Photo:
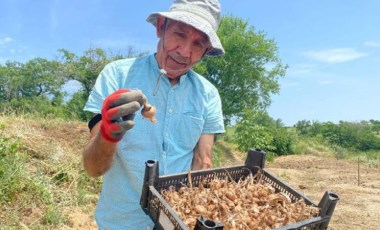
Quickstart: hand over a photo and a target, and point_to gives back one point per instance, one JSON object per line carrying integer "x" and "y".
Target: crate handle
{"x": 206, "y": 224}
{"x": 151, "y": 175}
{"x": 327, "y": 206}
{"x": 255, "y": 157}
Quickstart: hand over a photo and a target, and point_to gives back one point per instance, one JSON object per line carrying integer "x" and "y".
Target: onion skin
{"x": 250, "y": 203}
{"x": 148, "y": 112}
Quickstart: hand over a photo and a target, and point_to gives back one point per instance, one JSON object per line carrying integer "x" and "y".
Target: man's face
{"x": 180, "y": 47}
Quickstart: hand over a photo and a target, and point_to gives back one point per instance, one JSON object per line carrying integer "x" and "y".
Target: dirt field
{"x": 359, "y": 205}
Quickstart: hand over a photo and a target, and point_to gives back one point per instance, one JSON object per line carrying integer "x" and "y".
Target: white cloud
{"x": 6, "y": 40}
{"x": 372, "y": 44}
{"x": 300, "y": 69}
{"x": 337, "y": 55}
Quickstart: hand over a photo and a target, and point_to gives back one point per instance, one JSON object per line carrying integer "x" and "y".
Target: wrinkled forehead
{"x": 178, "y": 25}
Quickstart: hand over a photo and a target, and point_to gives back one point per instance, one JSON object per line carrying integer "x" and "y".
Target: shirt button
{"x": 170, "y": 110}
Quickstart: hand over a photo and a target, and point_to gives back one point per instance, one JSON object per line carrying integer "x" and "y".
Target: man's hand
{"x": 118, "y": 112}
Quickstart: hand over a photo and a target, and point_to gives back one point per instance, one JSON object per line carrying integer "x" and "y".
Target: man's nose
{"x": 185, "y": 49}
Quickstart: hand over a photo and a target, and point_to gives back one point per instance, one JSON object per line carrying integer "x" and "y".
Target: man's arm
{"x": 202, "y": 158}
{"x": 98, "y": 153}
{"x": 118, "y": 112}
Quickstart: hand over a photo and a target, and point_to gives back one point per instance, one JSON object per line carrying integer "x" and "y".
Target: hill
{"x": 43, "y": 185}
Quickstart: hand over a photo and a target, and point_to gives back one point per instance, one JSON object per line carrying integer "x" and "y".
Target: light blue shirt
{"x": 184, "y": 112}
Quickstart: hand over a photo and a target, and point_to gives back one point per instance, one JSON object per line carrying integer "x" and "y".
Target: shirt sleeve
{"x": 214, "y": 116}
{"x": 105, "y": 84}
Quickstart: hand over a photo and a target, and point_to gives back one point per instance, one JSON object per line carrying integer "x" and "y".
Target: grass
{"x": 18, "y": 189}
{"x": 41, "y": 174}
{"x": 317, "y": 147}
{"x": 371, "y": 158}
{"x": 225, "y": 152}
{"x": 52, "y": 216}
{"x": 314, "y": 147}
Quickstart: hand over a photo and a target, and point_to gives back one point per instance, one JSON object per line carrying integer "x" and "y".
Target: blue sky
{"x": 332, "y": 47}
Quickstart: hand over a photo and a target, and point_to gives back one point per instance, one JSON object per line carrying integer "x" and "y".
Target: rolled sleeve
{"x": 214, "y": 117}
{"x": 105, "y": 84}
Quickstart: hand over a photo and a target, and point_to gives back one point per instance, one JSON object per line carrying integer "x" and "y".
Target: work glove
{"x": 118, "y": 112}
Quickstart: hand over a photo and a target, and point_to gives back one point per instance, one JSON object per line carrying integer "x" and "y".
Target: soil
{"x": 359, "y": 193}
{"x": 81, "y": 221}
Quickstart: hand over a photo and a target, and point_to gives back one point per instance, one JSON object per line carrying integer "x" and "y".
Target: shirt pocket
{"x": 190, "y": 128}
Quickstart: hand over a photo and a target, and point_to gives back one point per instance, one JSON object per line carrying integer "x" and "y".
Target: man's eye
{"x": 180, "y": 34}
{"x": 199, "y": 45}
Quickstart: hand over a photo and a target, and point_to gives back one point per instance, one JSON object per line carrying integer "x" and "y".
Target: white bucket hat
{"x": 204, "y": 15}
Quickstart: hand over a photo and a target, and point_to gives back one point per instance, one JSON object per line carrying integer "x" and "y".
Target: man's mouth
{"x": 179, "y": 59}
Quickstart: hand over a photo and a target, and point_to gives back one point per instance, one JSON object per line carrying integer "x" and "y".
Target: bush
{"x": 349, "y": 135}
{"x": 38, "y": 105}
{"x": 74, "y": 107}
{"x": 258, "y": 130}
{"x": 283, "y": 141}
{"x": 249, "y": 134}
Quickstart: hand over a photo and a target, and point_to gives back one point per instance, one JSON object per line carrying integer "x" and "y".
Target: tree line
{"x": 357, "y": 136}
{"x": 246, "y": 77}
{"x": 242, "y": 76}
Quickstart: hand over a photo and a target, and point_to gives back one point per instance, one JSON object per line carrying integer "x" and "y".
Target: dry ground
{"x": 359, "y": 204}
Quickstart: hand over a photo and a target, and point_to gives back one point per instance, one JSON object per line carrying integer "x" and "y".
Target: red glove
{"x": 118, "y": 112}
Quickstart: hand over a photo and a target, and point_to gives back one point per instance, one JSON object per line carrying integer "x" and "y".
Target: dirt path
{"x": 359, "y": 205}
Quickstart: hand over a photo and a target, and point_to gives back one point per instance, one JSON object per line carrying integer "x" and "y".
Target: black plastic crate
{"x": 166, "y": 218}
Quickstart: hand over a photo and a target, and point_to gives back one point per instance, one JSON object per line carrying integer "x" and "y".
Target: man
{"x": 188, "y": 114}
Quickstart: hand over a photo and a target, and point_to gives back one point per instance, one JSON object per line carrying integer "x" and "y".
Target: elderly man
{"x": 188, "y": 116}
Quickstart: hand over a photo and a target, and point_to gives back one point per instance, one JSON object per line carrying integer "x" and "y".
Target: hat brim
{"x": 196, "y": 22}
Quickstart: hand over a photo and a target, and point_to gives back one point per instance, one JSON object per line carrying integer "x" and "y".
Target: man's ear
{"x": 160, "y": 25}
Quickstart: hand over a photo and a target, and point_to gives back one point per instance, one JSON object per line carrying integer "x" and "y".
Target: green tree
{"x": 351, "y": 135}
{"x": 248, "y": 73}
{"x": 250, "y": 134}
{"x": 85, "y": 69}
{"x": 74, "y": 106}
{"x": 303, "y": 127}
{"x": 258, "y": 130}
{"x": 10, "y": 81}
{"x": 283, "y": 141}
{"x": 32, "y": 87}
{"x": 38, "y": 77}
{"x": 375, "y": 126}
{"x": 41, "y": 77}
